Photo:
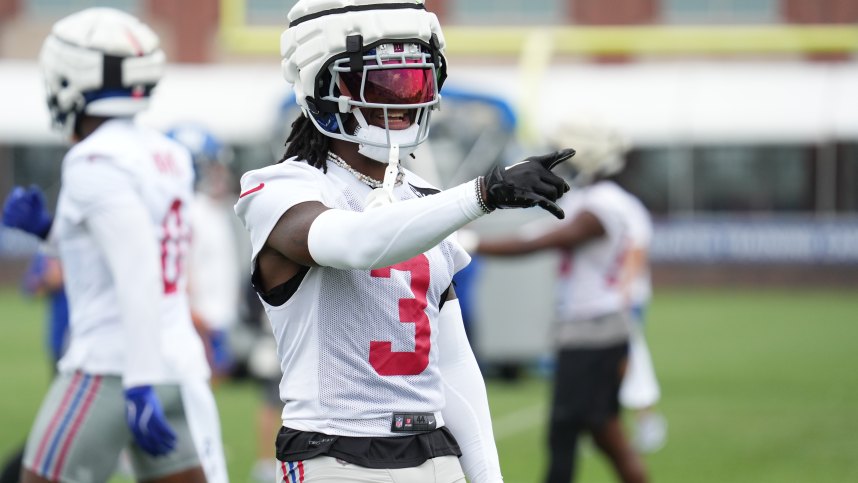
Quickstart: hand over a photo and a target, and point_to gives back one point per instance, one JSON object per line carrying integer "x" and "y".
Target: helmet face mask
{"x": 395, "y": 89}
{"x": 394, "y": 73}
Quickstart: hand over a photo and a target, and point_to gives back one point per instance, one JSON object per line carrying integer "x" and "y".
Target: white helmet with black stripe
{"x": 600, "y": 150}
{"x": 347, "y": 59}
{"x": 101, "y": 62}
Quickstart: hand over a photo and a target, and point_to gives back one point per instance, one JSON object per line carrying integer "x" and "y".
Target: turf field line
{"x": 519, "y": 421}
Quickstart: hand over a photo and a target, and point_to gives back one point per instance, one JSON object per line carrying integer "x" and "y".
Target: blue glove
{"x": 25, "y": 209}
{"x": 221, "y": 357}
{"x": 146, "y": 419}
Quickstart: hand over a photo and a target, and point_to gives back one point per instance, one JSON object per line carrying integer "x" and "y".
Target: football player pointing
{"x": 353, "y": 256}
{"x": 134, "y": 375}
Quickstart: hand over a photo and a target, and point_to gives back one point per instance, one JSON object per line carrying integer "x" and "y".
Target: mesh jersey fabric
{"x": 355, "y": 346}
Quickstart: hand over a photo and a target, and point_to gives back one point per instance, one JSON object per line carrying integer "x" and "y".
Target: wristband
{"x": 478, "y": 183}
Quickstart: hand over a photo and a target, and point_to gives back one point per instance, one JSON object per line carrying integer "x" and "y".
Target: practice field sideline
{"x": 759, "y": 386}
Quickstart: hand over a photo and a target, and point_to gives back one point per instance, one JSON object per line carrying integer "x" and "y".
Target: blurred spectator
{"x": 592, "y": 330}
{"x": 214, "y": 270}
{"x": 640, "y": 390}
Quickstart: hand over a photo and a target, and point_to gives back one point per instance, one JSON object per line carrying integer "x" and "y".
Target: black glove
{"x": 528, "y": 183}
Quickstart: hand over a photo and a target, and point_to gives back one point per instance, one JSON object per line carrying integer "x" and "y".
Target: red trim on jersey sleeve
{"x": 252, "y": 190}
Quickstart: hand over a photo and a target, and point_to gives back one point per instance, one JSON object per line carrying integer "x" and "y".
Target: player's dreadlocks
{"x": 307, "y": 143}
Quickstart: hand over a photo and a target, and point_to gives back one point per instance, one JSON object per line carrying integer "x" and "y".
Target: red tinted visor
{"x": 392, "y": 86}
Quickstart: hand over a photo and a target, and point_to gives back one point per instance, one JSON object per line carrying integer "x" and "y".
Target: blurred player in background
{"x": 214, "y": 266}
{"x": 134, "y": 375}
{"x": 215, "y": 281}
{"x": 353, "y": 256}
{"x": 592, "y": 330}
{"x": 640, "y": 389}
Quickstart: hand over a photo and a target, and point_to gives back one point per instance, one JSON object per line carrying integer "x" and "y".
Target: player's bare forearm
{"x": 289, "y": 235}
{"x": 565, "y": 236}
{"x": 507, "y": 247}
{"x": 633, "y": 265}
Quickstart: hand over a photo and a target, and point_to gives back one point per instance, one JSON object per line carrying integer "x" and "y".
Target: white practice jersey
{"x": 355, "y": 346}
{"x": 589, "y": 279}
{"x": 122, "y": 161}
{"x": 214, "y": 268}
{"x": 640, "y": 237}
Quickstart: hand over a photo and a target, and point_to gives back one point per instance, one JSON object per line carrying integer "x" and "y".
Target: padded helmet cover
{"x": 600, "y": 149}
{"x": 102, "y": 62}
{"x": 319, "y": 28}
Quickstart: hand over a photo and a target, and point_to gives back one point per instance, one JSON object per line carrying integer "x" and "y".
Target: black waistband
{"x": 382, "y": 452}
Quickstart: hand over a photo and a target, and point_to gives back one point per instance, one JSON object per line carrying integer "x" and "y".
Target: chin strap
{"x": 384, "y": 195}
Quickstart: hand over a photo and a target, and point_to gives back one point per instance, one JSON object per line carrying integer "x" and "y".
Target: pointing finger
{"x": 551, "y": 160}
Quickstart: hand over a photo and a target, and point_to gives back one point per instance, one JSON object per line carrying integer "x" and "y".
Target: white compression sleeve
{"x": 127, "y": 239}
{"x": 466, "y": 413}
{"x": 393, "y": 233}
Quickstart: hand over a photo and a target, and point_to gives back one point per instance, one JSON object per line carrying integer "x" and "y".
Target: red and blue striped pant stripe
{"x": 293, "y": 471}
{"x": 65, "y": 424}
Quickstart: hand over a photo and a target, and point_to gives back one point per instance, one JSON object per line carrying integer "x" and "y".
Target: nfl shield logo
{"x": 398, "y": 422}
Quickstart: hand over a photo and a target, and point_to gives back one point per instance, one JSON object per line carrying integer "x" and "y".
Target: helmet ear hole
{"x": 328, "y": 122}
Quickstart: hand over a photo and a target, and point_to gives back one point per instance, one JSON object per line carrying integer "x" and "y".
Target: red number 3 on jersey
{"x": 411, "y": 310}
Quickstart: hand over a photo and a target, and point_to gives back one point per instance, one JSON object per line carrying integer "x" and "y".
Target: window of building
{"x": 268, "y": 12}
{"x": 847, "y": 177}
{"x": 647, "y": 176}
{"x": 506, "y": 12}
{"x": 739, "y": 179}
{"x": 720, "y": 11}
{"x": 61, "y": 8}
{"x": 754, "y": 178}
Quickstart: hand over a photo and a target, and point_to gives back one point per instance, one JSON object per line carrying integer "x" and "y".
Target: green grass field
{"x": 758, "y": 386}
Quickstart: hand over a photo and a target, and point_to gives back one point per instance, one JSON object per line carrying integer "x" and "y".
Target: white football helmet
{"x": 101, "y": 62}
{"x": 385, "y": 56}
{"x": 600, "y": 151}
